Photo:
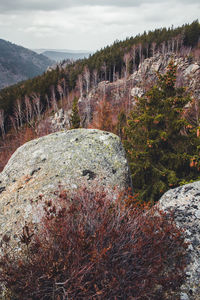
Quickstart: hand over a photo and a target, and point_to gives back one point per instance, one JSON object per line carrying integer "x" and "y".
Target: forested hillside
{"x": 102, "y": 92}
{"x": 18, "y": 63}
{"x": 110, "y": 63}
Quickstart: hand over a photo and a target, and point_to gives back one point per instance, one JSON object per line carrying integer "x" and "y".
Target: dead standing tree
{"x": 28, "y": 110}
{"x": 2, "y": 120}
{"x": 61, "y": 92}
{"x": 53, "y": 99}
{"x": 140, "y": 53}
{"x": 80, "y": 85}
{"x": 163, "y": 47}
{"x": 127, "y": 57}
{"x": 95, "y": 77}
{"x": 133, "y": 55}
{"x": 104, "y": 69}
{"x": 153, "y": 48}
{"x": 18, "y": 113}
{"x": 37, "y": 105}
{"x": 86, "y": 76}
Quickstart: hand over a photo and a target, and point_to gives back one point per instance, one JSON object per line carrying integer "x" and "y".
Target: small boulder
{"x": 137, "y": 92}
{"x": 184, "y": 201}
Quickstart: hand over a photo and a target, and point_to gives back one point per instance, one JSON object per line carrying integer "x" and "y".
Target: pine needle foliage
{"x": 75, "y": 117}
{"x": 161, "y": 143}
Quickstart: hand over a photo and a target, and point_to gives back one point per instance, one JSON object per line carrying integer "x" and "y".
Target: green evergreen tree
{"x": 75, "y": 117}
{"x": 162, "y": 146}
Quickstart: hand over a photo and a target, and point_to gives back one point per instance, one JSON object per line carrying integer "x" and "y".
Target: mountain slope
{"x": 18, "y": 63}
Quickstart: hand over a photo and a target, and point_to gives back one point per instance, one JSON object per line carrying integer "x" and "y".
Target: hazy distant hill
{"x": 18, "y": 63}
{"x": 60, "y": 55}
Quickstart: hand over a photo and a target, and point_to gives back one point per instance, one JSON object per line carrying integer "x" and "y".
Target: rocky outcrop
{"x": 60, "y": 120}
{"x": 67, "y": 159}
{"x": 184, "y": 201}
{"x": 188, "y": 72}
{"x": 122, "y": 92}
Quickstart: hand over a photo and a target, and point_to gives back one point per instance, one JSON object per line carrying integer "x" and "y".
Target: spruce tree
{"x": 75, "y": 118}
{"x": 162, "y": 146}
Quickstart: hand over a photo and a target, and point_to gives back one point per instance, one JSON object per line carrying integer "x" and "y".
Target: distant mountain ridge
{"x": 60, "y": 55}
{"x": 42, "y": 50}
{"x": 18, "y": 63}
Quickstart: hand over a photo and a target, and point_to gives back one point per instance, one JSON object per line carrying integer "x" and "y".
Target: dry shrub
{"x": 104, "y": 117}
{"x": 12, "y": 141}
{"x": 90, "y": 247}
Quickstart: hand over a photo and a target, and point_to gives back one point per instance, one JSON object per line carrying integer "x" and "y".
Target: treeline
{"x": 112, "y": 62}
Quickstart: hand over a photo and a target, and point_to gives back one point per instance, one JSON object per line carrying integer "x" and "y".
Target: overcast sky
{"x": 88, "y": 24}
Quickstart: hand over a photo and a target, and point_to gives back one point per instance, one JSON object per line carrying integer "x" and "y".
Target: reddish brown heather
{"x": 89, "y": 247}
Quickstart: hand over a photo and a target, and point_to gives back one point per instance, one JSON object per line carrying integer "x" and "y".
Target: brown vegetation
{"x": 94, "y": 248}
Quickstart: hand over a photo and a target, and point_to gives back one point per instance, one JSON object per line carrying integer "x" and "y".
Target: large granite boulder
{"x": 184, "y": 201}
{"x": 67, "y": 159}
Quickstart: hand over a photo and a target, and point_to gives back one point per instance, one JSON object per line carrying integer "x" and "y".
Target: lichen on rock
{"x": 65, "y": 158}
{"x": 184, "y": 201}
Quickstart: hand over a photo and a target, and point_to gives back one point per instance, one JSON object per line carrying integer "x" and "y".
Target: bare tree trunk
{"x": 53, "y": 99}
{"x": 80, "y": 85}
{"x": 173, "y": 43}
{"x": 87, "y": 78}
{"x": 110, "y": 71}
{"x": 117, "y": 79}
{"x": 163, "y": 48}
{"x": 13, "y": 122}
{"x": 37, "y": 105}
{"x": 114, "y": 73}
{"x": 147, "y": 50}
{"x": 168, "y": 46}
{"x": 2, "y": 123}
{"x": 28, "y": 110}
{"x": 64, "y": 87}
{"x": 140, "y": 52}
{"x": 95, "y": 76}
{"x": 133, "y": 57}
{"x": 60, "y": 91}
{"x": 153, "y": 48}
{"x": 104, "y": 68}
{"x": 127, "y": 57}
{"x": 18, "y": 112}
{"x": 48, "y": 103}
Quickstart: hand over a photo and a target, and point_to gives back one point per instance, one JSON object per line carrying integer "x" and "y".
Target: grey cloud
{"x": 23, "y": 5}
{"x": 48, "y": 5}
{"x": 71, "y": 23}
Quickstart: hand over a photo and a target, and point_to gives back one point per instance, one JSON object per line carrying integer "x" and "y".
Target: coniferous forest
{"x": 155, "y": 133}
